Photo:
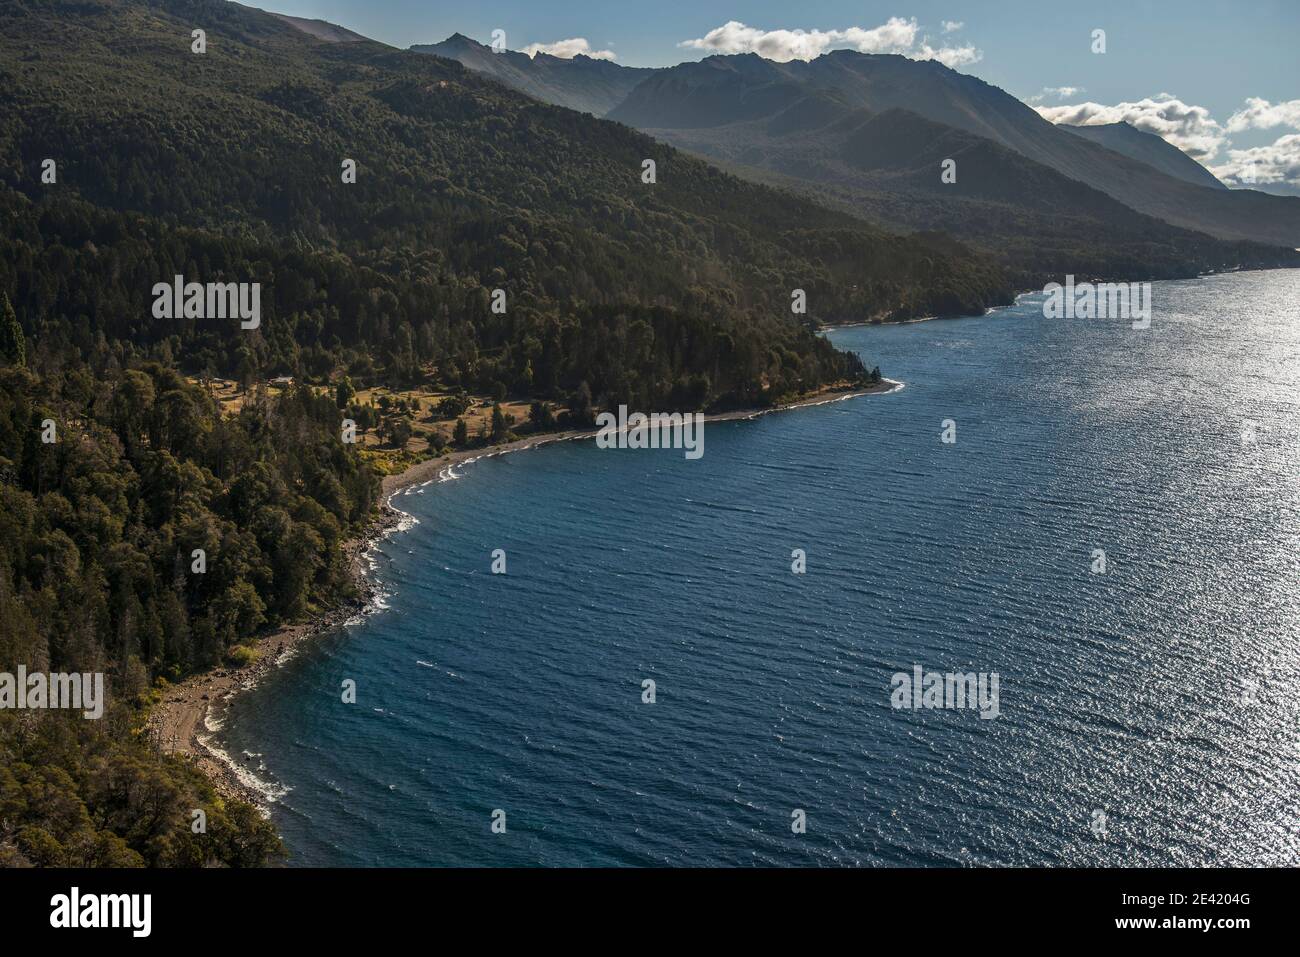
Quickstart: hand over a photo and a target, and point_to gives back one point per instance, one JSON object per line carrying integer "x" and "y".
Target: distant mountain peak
{"x": 1149, "y": 148}
{"x": 1136, "y": 168}
{"x": 582, "y": 82}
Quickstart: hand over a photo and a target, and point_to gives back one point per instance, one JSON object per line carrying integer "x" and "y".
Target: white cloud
{"x": 951, "y": 57}
{"x": 1263, "y": 165}
{"x": 1260, "y": 114}
{"x": 568, "y": 49}
{"x": 896, "y": 35}
{"x": 1189, "y": 127}
{"x": 952, "y": 26}
{"x": 1060, "y": 92}
{"x": 1193, "y": 130}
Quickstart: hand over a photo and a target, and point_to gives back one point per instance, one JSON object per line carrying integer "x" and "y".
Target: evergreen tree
{"x": 541, "y": 416}
{"x": 13, "y": 345}
{"x": 580, "y": 405}
{"x": 345, "y": 392}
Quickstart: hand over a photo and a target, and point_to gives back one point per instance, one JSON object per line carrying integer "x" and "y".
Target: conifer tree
{"x": 13, "y": 345}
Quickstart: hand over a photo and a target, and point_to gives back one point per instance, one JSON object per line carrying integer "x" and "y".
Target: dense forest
{"x": 226, "y": 166}
{"x": 116, "y": 463}
{"x": 97, "y": 532}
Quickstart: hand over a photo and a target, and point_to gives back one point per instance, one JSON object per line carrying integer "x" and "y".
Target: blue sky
{"x": 1208, "y": 57}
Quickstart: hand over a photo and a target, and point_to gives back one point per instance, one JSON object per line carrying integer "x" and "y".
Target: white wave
{"x": 405, "y": 523}
{"x": 268, "y": 790}
{"x": 894, "y": 386}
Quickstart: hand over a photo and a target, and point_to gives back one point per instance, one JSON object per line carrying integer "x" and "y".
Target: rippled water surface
{"x": 1162, "y": 694}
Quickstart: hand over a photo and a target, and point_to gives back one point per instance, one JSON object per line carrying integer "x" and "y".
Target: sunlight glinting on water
{"x": 1159, "y": 694}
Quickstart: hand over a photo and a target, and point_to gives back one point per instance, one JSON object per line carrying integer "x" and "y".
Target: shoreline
{"x": 429, "y": 468}
{"x": 988, "y": 310}
{"x": 193, "y": 711}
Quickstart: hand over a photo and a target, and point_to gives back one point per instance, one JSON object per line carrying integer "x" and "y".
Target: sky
{"x": 1218, "y": 79}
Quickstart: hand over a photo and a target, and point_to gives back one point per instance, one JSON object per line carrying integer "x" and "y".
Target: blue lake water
{"x": 1161, "y": 694}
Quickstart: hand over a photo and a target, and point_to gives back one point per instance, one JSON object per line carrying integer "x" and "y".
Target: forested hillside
{"x": 859, "y": 132}
{"x": 97, "y": 532}
{"x": 462, "y": 187}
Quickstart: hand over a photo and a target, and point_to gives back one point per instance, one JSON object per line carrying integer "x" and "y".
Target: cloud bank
{"x": 1194, "y": 131}
{"x": 1263, "y": 165}
{"x": 1260, "y": 114}
{"x": 568, "y": 49}
{"x": 896, "y": 35}
{"x": 1191, "y": 128}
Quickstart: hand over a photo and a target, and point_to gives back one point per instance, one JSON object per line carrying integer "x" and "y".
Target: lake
{"x": 1147, "y": 714}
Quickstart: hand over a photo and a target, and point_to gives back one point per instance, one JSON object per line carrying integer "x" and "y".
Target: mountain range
{"x": 581, "y": 83}
{"x": 230, "y": 161}
{"x": 868, "y": 133}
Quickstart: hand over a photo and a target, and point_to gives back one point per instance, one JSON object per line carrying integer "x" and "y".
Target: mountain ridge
{"x": 703, "y": 91}
{"x": 582, "y": 83}
{"x": 1148, "y": 148}
{"x": 1153, "y": 179}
